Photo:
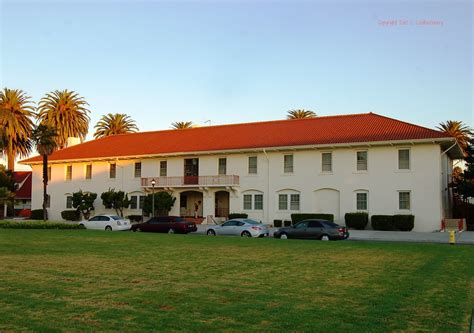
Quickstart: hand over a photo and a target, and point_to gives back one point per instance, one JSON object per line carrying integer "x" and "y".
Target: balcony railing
{"x": 192, "y": 181}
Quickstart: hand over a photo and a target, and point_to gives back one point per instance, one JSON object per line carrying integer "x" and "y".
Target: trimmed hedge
{"x": 295, "y": 218}
{"x": 277, "y": 223}
{"x": 38, "y": 225}
{"x": 37, "y": 214}
{"x": 356, "y": 221}
{"x": 382, "y": 222}
{"x": 135, "y": 218}
{"x": 238, "y": 216}
{"x": 404, "y": 222}
{"x": 70, "y": 215}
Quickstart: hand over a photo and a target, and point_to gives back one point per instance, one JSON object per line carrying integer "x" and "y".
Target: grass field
{"x": 75, "y": 280}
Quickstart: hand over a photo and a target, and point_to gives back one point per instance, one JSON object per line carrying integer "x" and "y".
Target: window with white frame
{"x": 141, "y": 202}
{"x": 288, "y": 163}
{"x": 138, "y": 170}
{"x": 362, "y": 200}
{"x": 68, "y": 172}
{"x": 69, "y": 201}
{"x": 404, "y": 159}
{"x": 222, "y": 166}
{"x": 253, "y": 201}
{"x": 258, "y": 201}
{"x": 289, "y": 200}
{"x": 137, "y": 201}
{"x": 247, "y": 201}
{"x": 163, "y": 168}
{"x": 326, "y": 162}
{"x": 112, "y": 170}
{"x": 252, "y": 164}
{"x": 404, "y": 200}
{"x": 362, "y": 160}
{"x": 88, "y": 171}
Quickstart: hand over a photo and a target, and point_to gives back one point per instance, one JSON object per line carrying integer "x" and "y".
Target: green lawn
{"x": 75, "y": 280}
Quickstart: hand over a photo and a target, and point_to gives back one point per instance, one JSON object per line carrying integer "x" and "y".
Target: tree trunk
{"x": 11, "y": 159}
{"x": 45, "y": 186}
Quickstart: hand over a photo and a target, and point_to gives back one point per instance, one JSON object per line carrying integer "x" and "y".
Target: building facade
{"x": 370, "y": 163}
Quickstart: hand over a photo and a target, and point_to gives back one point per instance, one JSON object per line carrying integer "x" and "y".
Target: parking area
{"x": 466, "y": 237}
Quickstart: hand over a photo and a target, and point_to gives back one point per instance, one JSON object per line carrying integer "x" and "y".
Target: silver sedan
{"x": 239, "y": 227}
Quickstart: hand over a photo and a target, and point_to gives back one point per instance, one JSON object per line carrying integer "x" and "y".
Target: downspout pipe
{"x": 446, "y": 208}
{"x": 267, "y": 196}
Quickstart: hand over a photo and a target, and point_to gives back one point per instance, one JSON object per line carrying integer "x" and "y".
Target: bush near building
{"x": 71, "y": 215}
{"x": 382, "y": 222}
{"x": 37, "y": 214}
{"x": 404, "y": 222}
{"x": 38, "y": 225}
{"x": 135, "y": 218}
{"x": 356, "y": 220}
{"x": 295, "y": 218}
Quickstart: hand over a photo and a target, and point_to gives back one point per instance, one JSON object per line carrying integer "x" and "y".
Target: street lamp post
{"x": 153, "y": 182}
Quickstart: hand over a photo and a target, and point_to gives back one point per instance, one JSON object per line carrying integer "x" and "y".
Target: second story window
{"x": 253, "y": 165}
{"x": 163, "y": 168}
{"x": 88, "y": 174}
{"x": 404, "y": 159}
{"x": 138, "y": 169}
{"x": 326, "y": 162}
{"x": 222, "y": 166}
{"x": 68, "y": 172}
{"x": 112, "y": 170}
{"x": 288, "y": 163}
{"x": 362, "y": 160}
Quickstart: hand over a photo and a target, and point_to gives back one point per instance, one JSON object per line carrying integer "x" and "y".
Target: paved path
{"x": 466, "y": 237}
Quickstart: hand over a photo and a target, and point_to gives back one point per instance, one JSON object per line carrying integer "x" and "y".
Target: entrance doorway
{"x": 190, "y": 204}
{"x": 222, "y": 204}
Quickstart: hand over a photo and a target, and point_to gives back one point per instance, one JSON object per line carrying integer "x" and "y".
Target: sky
{"x": 242, "y": 61}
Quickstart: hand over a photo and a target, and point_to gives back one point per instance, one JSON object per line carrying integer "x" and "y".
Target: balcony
{"x": 192, "y": 181}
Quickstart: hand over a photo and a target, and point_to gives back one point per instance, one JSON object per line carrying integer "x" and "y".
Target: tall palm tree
{"x": 44, "y": 137}
{"x": 182, "y": 124}
{"x": 458, "y": 130}
{"x": 16, "y": 113}
{"x": 300, "y": 114}
{"x": 113, "y": 124}
{"x": 67, "y": 112}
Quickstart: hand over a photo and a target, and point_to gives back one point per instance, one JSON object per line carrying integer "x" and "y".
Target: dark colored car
{"x": 169, "y": 224}
{"x": 313, "y": 229}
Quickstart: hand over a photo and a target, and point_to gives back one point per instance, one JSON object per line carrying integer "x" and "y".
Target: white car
{"x": 107, "y": 222}
{"x": 239, "y": 227}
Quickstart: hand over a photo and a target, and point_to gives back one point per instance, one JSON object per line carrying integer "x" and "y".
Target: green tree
{"x": 117, "y": 200}
{"x": 67, "y": 112}
{"x": 84, "y": 202}
{"x": 300, "y": 114}
{"x": 44, "y": 137}
{"x": 16, "y": 124}
{"x": 163, "y": 203}
{"x": 113, "y": 124}
{"x": 458, "y": 130}
{"x": 182, "y": 124}
{"x": 6, "y": 179}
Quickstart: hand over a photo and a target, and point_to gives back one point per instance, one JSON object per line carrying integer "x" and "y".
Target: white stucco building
{"x": 334, "y": 164}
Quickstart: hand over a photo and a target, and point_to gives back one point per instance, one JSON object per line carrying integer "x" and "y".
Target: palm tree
{"x": 182, "y": 124}
{"x": 457, "y": 130}
{"x": 16, "y": 124}
{"x": 113, "y": 124}
{"x": 44, "y": 137}
{"x": 67, "y": 112}
{"x": 300, "y": 114}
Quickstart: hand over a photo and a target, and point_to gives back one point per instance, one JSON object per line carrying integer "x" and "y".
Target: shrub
{"x": 70, "y": 215}
{"x": 404, "y": 222}
{"x": 135, "y": 218}
{"x": 382, "y": 222}
{"x": 37, "y": 225}
{"x": 300, "y": 217}
{"x": 277, "y": 223}
{"x": 287, "y": 223}
{"x": 356, "y": 221}
{"x": 238, "y": 216}
{"x": 163, "y": 202}
{"x": 37, "y": 214}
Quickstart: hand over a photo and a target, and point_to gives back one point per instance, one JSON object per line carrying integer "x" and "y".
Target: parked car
{"x": 106, "y": 222}
{"x": 239, "y": 227}
{"x": 169, "y": 224}
{"x": 313, "y": 229}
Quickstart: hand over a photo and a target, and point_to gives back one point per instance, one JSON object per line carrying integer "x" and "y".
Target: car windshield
{"x": 249, "y": 221}
{"x": 115, "y": 217}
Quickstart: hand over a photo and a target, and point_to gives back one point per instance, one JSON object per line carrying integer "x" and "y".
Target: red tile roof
{"x": 23, "y": 179}
{"x": 367, "y": 127}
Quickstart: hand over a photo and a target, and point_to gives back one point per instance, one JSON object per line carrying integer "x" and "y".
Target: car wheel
{"x": 325, "y": 238}
{"x": 283, "y": 236}
{"x": 246, "y": 234}
{"x": 171, "y": 231}
{"x": 211, "y": 232}
{"x": 108, "y": 228}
